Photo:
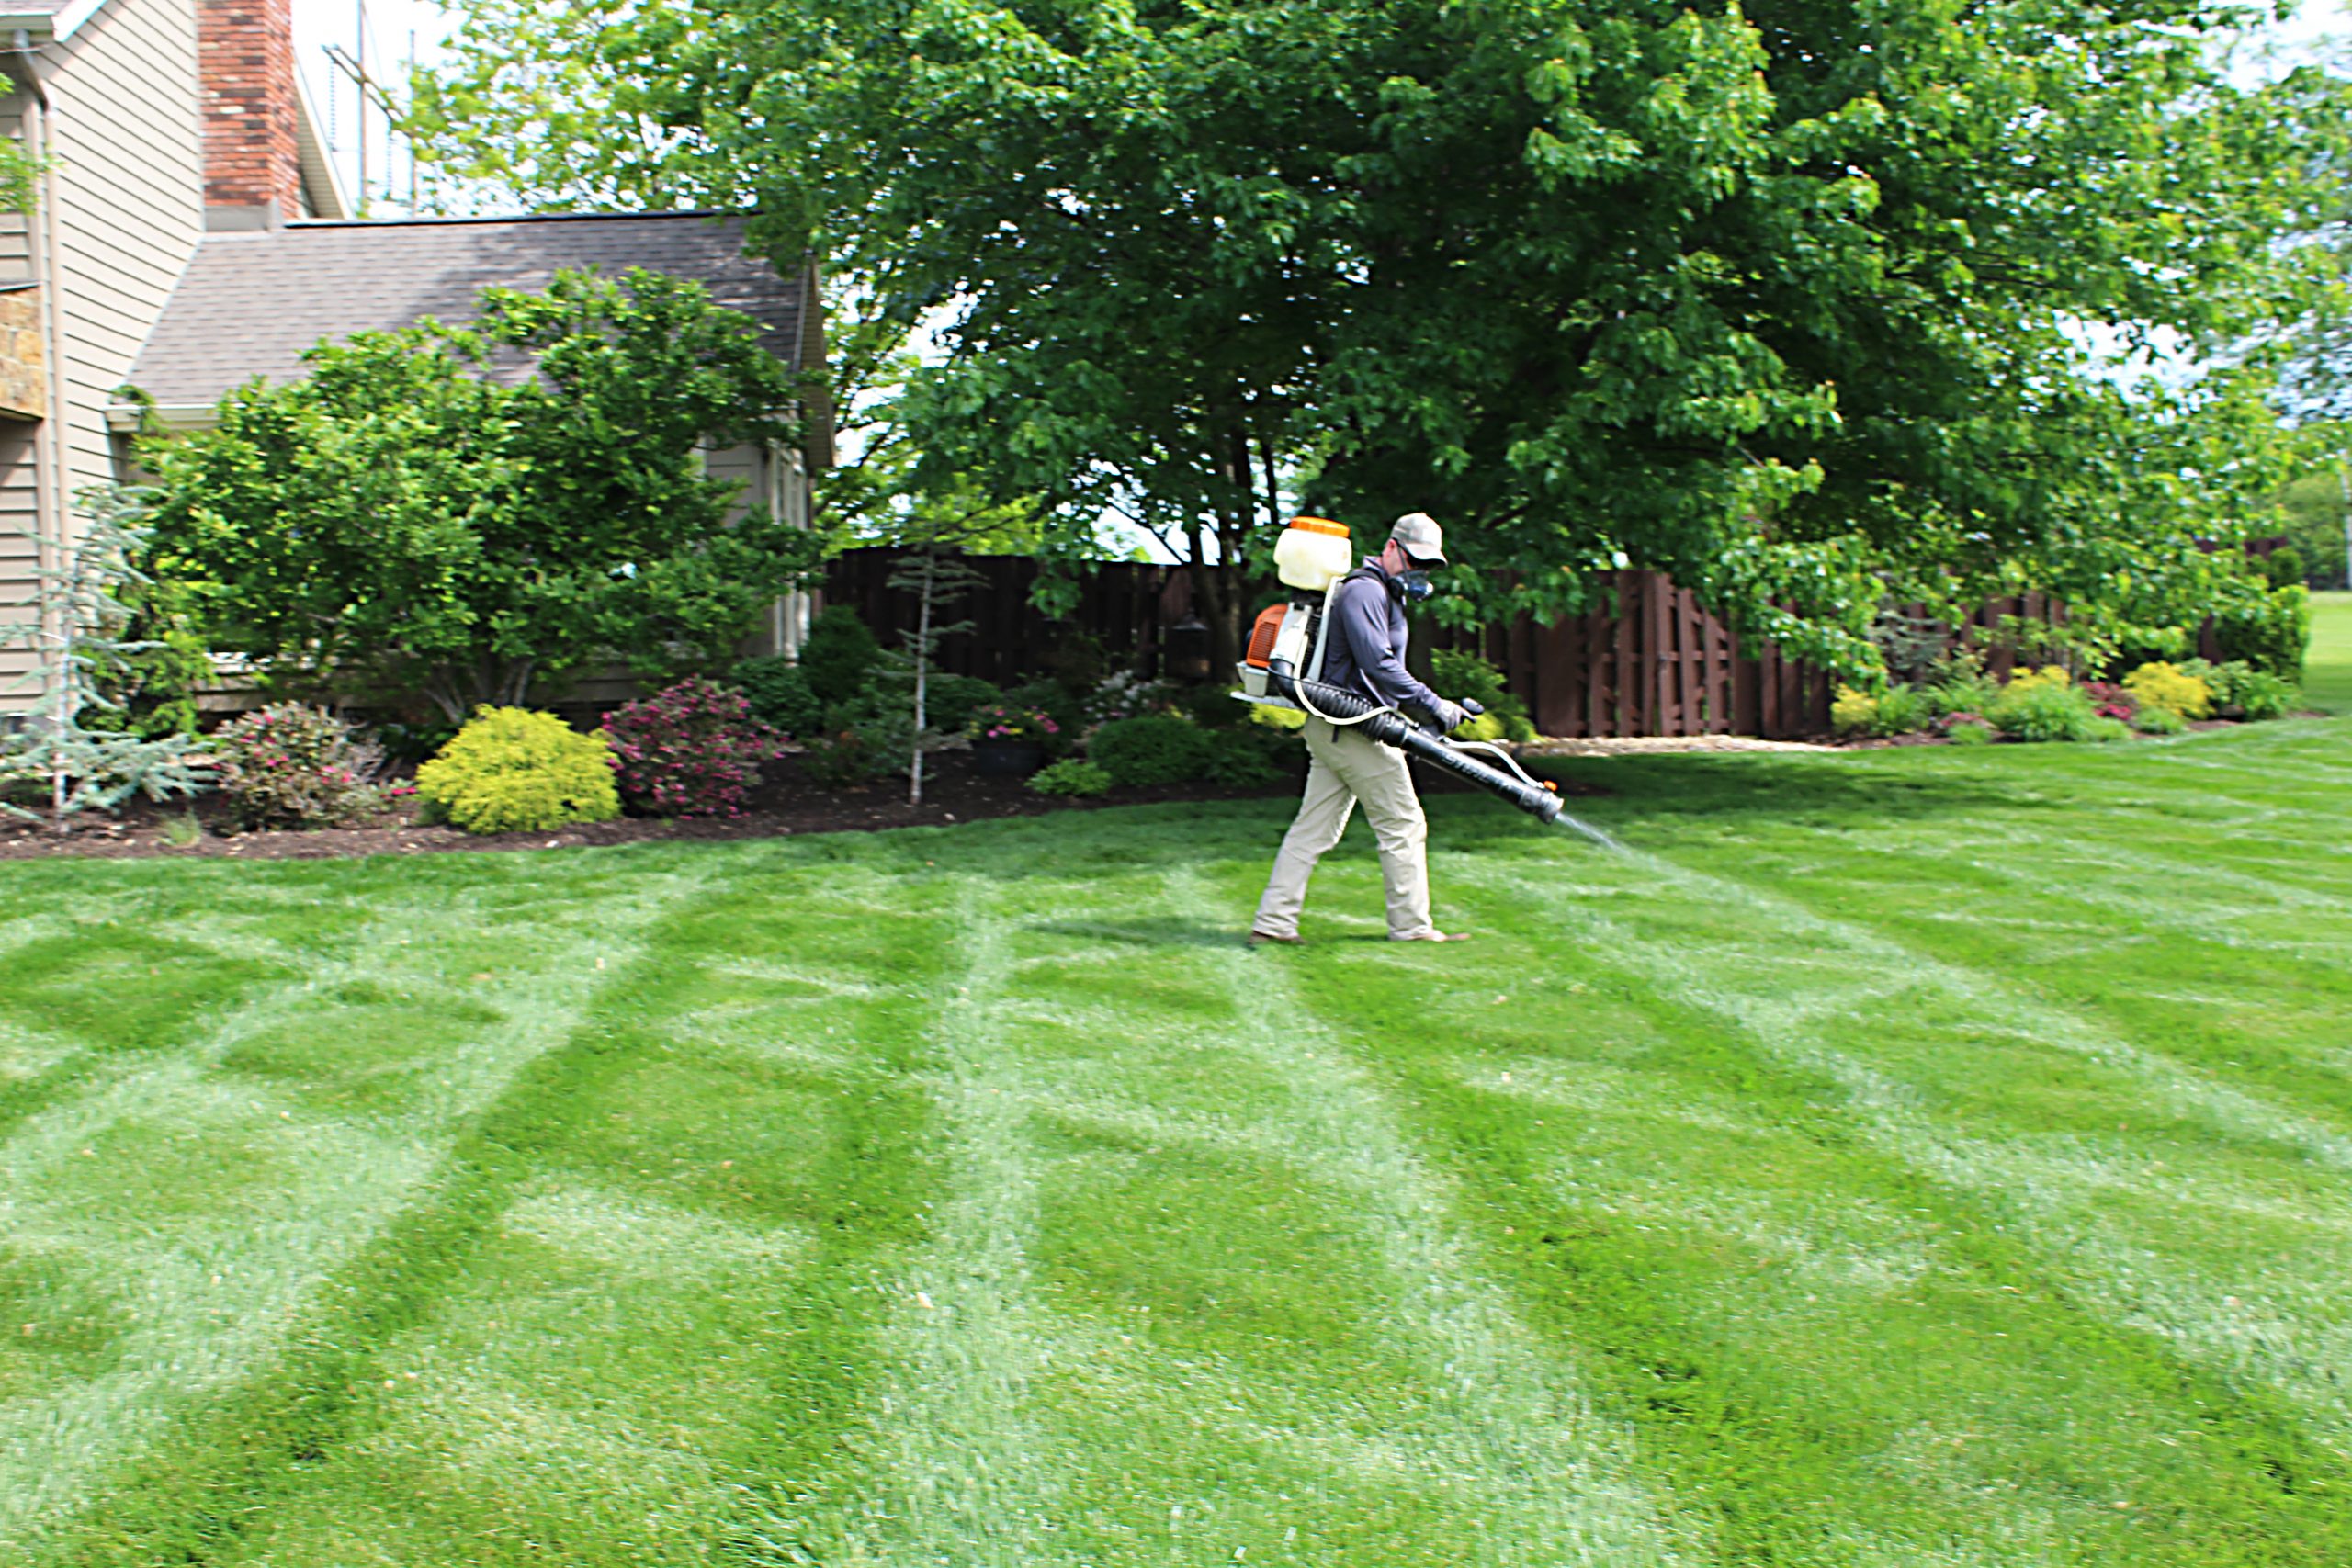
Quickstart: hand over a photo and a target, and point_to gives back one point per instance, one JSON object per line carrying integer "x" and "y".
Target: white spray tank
{"x": 1310, "y": 558}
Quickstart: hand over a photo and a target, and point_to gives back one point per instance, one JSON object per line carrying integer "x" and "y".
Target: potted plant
{"x": 1009, "y": 741}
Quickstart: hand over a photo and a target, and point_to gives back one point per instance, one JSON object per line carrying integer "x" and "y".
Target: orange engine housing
{"x": 1262, "y": 632}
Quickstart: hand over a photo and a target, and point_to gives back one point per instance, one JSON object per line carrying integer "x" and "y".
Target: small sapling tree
{"x": 934, "y": 528}
{"x": 937, "y": 579}
{"x": 76, "y": 623}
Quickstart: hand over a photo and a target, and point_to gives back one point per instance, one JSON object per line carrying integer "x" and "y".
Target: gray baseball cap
{"x": 1418, "y": 532}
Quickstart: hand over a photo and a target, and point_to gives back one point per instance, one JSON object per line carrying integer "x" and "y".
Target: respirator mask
{"x": 1416, "y": 586}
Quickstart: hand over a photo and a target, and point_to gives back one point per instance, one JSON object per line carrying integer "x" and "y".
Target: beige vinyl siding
{"x": 129, "y": 205}
{"x": 742, "y": 466}
{"x": 19, "y": 557}
{"x": 16, "y": 244}
{"x": 774, "y": 481}
{"x": 127, "y": 209}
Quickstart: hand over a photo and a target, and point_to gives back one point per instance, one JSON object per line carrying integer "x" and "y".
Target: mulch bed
{"x": 784, "y": 805}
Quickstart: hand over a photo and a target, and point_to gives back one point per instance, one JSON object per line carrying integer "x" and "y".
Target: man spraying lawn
{"x": 1361, "y": 647}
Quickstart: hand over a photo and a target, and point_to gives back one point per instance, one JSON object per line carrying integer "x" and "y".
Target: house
{"x": 188, "y": 234}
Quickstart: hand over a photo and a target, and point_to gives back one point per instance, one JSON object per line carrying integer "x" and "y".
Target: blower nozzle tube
{"x": 1392, "y": 729}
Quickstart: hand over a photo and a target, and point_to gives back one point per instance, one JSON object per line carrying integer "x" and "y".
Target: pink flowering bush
{"x": 1002, "y": 721}
{"x": 2114, "y": 700}
{"x": 692, "y": 751}
{"x": 290, "y": 765}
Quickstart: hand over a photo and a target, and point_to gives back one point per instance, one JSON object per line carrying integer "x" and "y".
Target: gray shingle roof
{"x": 251, "y": 302}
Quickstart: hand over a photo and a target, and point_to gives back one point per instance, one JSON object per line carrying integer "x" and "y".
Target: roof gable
{"x": 321, "y": 187}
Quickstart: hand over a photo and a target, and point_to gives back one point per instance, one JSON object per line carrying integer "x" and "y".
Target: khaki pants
{"x": 1346, "y": 768}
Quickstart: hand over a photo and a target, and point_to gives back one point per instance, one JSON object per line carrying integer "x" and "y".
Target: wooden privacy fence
{"x": 1648, "y": 659}
{"x": 1123, "y": 605}
{"x": 1644, "y": 660}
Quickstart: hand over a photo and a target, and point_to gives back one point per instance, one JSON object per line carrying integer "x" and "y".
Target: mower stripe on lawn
{"x": 2063, "y": 1199}
{"x": 208, "y": 1296}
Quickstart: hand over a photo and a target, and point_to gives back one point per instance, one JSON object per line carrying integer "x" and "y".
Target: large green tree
{"x": 459, "y": 514}
{"x": 1787, "y": 298}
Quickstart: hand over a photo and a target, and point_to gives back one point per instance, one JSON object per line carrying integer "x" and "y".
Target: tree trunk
{"x": 450, "y": 701}
{"x": 1213, "y": 602}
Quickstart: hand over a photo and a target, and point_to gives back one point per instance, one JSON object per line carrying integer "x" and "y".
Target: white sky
{"x": 2319, "y": 29}
{"x": 319, "y": 23}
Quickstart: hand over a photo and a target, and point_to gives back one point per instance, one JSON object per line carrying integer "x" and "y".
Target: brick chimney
{"x": 253, "y": 178}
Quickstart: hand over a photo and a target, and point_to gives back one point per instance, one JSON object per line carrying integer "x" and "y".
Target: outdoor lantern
{"x": 1187, "y": 655}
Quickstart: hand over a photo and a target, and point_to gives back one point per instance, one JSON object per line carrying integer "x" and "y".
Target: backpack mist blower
{"x": 1285, "y": 668}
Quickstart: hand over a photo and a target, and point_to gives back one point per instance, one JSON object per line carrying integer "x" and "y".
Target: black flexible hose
{"x": 1392, "y": 729}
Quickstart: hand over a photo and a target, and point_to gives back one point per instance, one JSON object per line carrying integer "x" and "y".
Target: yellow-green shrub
{"x": 1898, "y": 710}
{"x": 2025, "y": 681}
{"x": 1275, "y": 717}
{"x": 1486, "y": 727}
{"x": 1854, "y": 713}
{"x": 2170, "y": 687}
{"x": 512, "y": 771}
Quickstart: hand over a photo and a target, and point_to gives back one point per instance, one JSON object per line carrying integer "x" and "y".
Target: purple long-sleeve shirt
{"x": 1365, "y": 651}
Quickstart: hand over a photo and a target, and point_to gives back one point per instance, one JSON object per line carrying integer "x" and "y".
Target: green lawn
{"x": 1909, "y": 1158}
{"x": 2327, "y": 677}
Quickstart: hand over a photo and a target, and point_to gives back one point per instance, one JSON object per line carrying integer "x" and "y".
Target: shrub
{"x": 1240, "y": 760}
{"x": 2155, "y": 720}
{"x": 1960, "y": 686}
{"x": 512, "y": 771}
{"x": 290, "y": 765}
{"x": 1056, "y": 702}
{"x": 1272, "y": 717}
{"x": 1459, "y": 675}
{"x": 2240, "y": 691}
{"x": 1125, "y": 694}
{"x": 870, "y": 745}
{"x": 2171, "y": 687}
{"x": 1156, "y": 748}
{"x": 1968, "y": 732}
{"x": 2042, "y": 710}
{"x": 839, "y": 759}
{"x": 1973, "y": 694}
{"x": 840, "y": 657}
{"x": 2284, "y": 567}
{"x": 2111, "y": 698}
{"x": 1898, "y": 710}
{"x": 780, "y": 695}
{"x": 2261, "y": 695}
{"x": 1070, "y": 776}
{"x": 949, "y": 701}
{"x": 2269, "y": 630}
{"x": 404, "y": 520}
{"x": 2102, "y": 728}
{"x": 1003, "y": 721}
{"x": 1854, "y": 712}
{"x": 1485, "y": 726}
{"x": 404, "y": 741}
{"x": 691, "y": 750}
{"x": 2028, "y": 680}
